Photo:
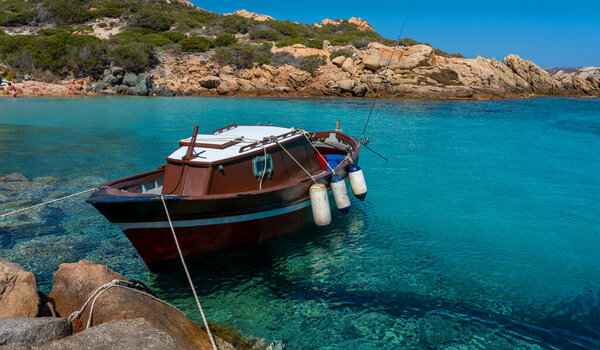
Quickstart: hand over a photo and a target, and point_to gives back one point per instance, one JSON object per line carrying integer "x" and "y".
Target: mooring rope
{"x": 274, "y": 139}
{"x": 103, "y": 288}
{"x": 262, "y": 176}
{"x": 49, "y": 202}
{"x": 212, "y": 341}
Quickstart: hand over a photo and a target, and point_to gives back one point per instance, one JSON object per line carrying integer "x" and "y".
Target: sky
{"x": 550, "y": 33}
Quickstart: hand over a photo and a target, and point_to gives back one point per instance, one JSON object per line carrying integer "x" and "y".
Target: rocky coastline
{"x": 122, "y": 318}
{"x": 376, "y": 71}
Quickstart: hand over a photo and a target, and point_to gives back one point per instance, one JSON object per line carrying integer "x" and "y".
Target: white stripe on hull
{"x": 215, "y": 221}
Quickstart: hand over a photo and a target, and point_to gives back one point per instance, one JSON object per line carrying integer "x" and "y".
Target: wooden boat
{"x": 231, "y": 188}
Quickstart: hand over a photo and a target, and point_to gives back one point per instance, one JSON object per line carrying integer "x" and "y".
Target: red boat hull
{"x": 156, "y": 244}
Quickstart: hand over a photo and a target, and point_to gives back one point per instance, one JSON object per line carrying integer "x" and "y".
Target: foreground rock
{"x": 33, "y": 331}
{"x": 135, "y": 334}
{"x": 74, "y": 283}
{"x": 18, "y": 292}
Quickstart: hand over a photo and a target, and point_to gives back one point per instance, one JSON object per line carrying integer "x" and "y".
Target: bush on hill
{"x": 154, "y": 20}
{"x": 174, "y": 36}
{"x": 266, "y": 34}
{"x": 69, "y": 11}
{"x": 225, "y": 40}
{"x": 196, "y": 44}
{"x": 341, "y": 52}
{"x": 312, "y": 63}
{"x": 155, "y": 39}
{"x": 282, "y": 58}
{"x": 235, "y": 24}
{"x": 242, "y": 57}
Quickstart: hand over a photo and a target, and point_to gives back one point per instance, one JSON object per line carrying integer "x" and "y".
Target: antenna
{"x": 362, "y": 136}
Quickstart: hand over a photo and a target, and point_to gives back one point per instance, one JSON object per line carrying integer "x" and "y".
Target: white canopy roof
{"x": 248, "y": 134}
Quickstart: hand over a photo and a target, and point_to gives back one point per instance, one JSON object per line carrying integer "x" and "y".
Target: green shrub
{"x": 268, "y": 34}
{"x": 154, "y": 20}
{"x": 125, "y": 37}
{"x": 289, "y": 28}
{"x": 174, "y": 36}
{"x": 225, "y": 40}
{"x": 282, "y": 58}
{"x": 235, "y": 24}
{"x": 315, "y": 44}
{"x": 102, "y": 24}
{"x": 341, "y": 52}
{"x": 155, "y": 39}
{"x": 202, "y": 16}
{"x": 69, "y": 11}
{"x": 243, "y": 56}
{"x": 312, "y": 63}
{"x": 134, "y": 57}
{"x": 291, "y": 41}
{"x": 107, "y": 12}
{"x": 196, "y": 44}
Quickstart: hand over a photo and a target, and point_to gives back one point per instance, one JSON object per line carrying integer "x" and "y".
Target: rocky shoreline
{"x": 122, "y": 318}
{"x": 376, "y": 71}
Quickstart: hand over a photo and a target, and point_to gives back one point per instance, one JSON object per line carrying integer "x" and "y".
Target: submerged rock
{"x": 33, "y": 331}
{"x": 18, "y": 291}
{"x": 14, "y": 177}
{"x": 74, "y": 283}
{"x": 121, "y": 334}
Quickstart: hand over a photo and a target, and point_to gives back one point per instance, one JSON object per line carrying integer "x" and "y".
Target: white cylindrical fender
{"x": 319, "y": 202}
{"x": 340, "y": 193}
{"x": 357, "y": 182}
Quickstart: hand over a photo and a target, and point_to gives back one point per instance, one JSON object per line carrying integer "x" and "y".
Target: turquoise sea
{"x": 482, "y": 230}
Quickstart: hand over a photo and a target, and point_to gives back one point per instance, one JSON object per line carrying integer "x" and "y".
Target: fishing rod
{"x": 362, "y": 136}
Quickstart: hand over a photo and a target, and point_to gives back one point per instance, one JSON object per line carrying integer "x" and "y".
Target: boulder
{"x": 348, "y": 65}
{"x": 338, "y": 61}
{"x": 33, "y": 331}
{"x": 141, "y": 88}
{"x": 346, "y": 85}
{"x": 209, "y": 82}
{"x": 135, "y": 334}
{"x": 416, "y": 56}
{"x": 122, "y": 89}
{"x": 18, "y": 291}
{"x": 110, "y": 79}
{"x": 130, "y": 79}
{"x": 74, "y": 283}
{"x": 360, "y": 90}
{"x": 14, "y": 177}
{"x": 116, "y": 71}
{"x": 540, "y": 80}
{"x": 378, "y": 55}
{"x": 442, "y": 75}
{"x": 284, "y": 89}
{"x": 100, "y": 87}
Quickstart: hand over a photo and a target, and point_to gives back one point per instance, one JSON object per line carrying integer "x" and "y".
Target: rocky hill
{"x": 166, "y": 47}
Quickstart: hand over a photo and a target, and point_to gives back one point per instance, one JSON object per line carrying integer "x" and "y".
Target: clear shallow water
{"x": 482, "y": 231}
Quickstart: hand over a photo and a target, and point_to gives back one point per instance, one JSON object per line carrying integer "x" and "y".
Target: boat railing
{"x": 268, "y": 140}
{"x": 223, "y": 129}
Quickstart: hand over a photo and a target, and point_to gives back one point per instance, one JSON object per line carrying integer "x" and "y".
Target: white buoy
{"x": 319, "y": 201}
{"x": 340, "y": 193}
{"x": 357, "y": 182}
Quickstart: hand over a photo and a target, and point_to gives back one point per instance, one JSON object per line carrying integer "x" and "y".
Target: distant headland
{"x": 169, "y": 47}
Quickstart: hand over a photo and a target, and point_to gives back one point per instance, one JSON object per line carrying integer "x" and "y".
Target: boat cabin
{"x": 239, "y": 159}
